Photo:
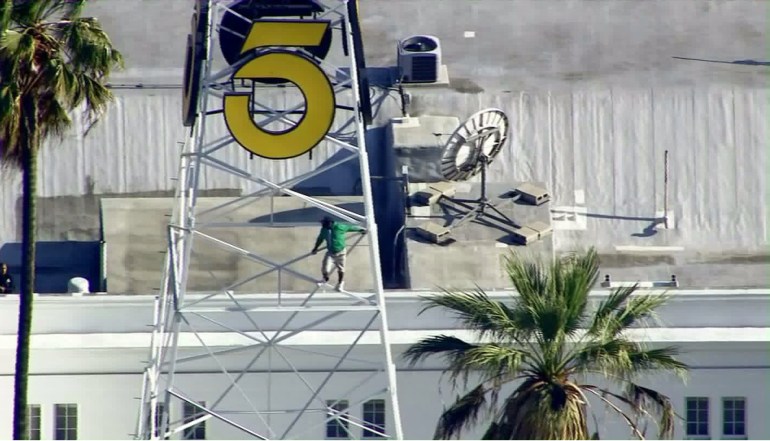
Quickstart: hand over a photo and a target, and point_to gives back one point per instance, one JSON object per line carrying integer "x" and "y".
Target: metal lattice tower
{"x": 268, "y": 365}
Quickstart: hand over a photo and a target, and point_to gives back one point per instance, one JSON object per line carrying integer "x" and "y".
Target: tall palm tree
{"x": 549, "y": 342}
{"x": 52, "y": 62}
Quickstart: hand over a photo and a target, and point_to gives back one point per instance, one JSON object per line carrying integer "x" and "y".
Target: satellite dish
{"x": 474, "y": 145}
{"x": 468, "y": 152}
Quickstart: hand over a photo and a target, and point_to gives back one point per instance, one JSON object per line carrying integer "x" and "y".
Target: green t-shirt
{"x": 335, "y": 236}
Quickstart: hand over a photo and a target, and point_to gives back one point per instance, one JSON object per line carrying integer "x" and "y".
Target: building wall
{"x": 107, "y": 408}
{"x": 91, "y": 351}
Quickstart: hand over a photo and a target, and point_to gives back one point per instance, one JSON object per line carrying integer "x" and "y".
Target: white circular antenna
{"x": 474, "y": 144}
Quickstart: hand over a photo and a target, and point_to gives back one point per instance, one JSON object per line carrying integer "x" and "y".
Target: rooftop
{"x": 600, "y": 99}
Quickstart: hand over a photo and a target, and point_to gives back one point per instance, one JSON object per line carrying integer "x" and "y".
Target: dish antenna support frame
{"x": 485, "y": 132}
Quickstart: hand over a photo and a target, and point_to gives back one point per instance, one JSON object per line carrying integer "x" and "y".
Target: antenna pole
{"x": 665, "y": 189}
{"x": 483, "y": 180}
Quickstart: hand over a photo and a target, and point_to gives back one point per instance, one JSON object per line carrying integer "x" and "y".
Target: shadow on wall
{"x": 342, "y": 180}
{"x": 56, "y": 263}
{"x": 309, "y": 215}
{"x": 744, "y": 62}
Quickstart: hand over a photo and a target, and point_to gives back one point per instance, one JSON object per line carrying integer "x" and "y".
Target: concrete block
{"x": 525, "y": 235}
{"x": 433, "y": 232}
{"x": 533, "y": 194}
{"x": 420, "y": 211}
{"x": 532, "y": 232}
{"x": 446, "y": 188}
{"x": 434, "y": 192}
{"x": 405, "y": 121}
{"x": 427, "y": 197}
{"x": 542, "y": 228}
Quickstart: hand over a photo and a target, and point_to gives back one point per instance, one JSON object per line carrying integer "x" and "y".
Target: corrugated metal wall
{"x": 608, "y": 144}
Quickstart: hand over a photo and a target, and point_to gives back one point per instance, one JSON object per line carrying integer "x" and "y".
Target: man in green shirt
{"x": 333, "y": 233}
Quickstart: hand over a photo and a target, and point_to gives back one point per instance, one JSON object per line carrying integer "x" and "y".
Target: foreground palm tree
{"x": 549, "y": 343}
{"x": 52, "y": 62}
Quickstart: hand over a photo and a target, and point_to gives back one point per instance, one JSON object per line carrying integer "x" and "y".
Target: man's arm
{"x": 351, "y": 227}
{"x": 321, "y": 238}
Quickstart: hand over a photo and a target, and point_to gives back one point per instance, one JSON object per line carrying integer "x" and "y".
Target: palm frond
{"x": 445, "y": 345}
{"x": 491, "y": 360}
{"x": 555, "y": 295}
{"x": 638, "y": 309}
{"x": 529, "y": 279}
{"x": 658, "y": 404}
{"x": 481, "y": 314}
{"x": 24, "y": 12}
{"x": 463, "y": 413}
{"x": 62, "y": 9}
{"x": 602, "y": 395}
{"x": 607, "y": 308}
{"x": 634, "y": 311}
{"x": 6, "y": 8}
{"x": 9, "y": 43}
{"x": 53, "y": 116}
{"x": 89, "y": 48}
{"x": 575, "y": 280}
{"x": 624, "y": 360}
{"x": 610, "y": 357}
{"x": 659, "y": 359}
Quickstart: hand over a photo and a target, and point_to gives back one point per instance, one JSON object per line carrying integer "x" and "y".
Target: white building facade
{"x": 88, "y": 354}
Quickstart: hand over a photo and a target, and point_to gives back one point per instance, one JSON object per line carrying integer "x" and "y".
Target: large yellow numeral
{"x": 305, "y": 74}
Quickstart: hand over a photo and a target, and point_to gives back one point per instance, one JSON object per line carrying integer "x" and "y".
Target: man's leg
{"x": 326, "y": 264}
{"x": 339, "y": 262}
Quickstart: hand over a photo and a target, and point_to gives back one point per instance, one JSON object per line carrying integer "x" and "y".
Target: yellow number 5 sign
{"x": 291, "y": 66}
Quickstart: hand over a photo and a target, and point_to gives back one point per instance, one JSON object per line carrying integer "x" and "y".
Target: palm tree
{"x": 52, "y": 62}
{"x": 548, "y": 342}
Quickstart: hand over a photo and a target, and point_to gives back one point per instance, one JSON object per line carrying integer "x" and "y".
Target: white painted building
{"x": 89, "y": 351}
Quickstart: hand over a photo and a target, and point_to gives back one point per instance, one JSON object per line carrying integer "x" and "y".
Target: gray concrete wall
{"x": 135, "y": 233}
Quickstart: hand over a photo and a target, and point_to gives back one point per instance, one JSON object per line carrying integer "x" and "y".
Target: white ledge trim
{"x": 331, "y": 338}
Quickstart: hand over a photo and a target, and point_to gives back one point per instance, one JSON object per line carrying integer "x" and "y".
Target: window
{"x": 337, "y": 428}
{"x": 160, "y": 413}
{"x": 33, "y": 421}
{"x": 734, "y": 417}
{"x": 197, "y": 431}
{"x": 66, "y": 419}
{"x": 698, "y": 417}
{"x": 374, "y": 419}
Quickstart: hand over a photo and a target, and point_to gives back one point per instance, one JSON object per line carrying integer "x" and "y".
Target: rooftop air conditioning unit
{"x": 419, "y": 59}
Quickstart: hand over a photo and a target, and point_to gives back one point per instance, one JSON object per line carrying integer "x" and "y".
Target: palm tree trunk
{"x": 29, "y": 187}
